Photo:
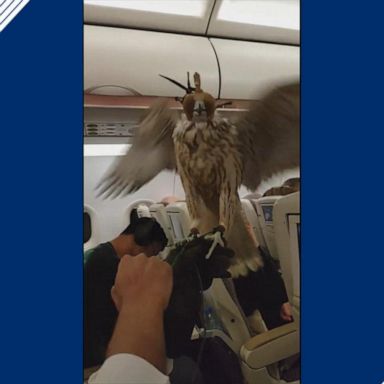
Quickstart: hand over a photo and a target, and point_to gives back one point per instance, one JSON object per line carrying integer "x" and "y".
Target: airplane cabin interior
{"x": 240, "y": 49}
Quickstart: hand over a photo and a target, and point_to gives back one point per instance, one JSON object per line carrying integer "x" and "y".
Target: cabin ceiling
{"x": 276, "y": 21}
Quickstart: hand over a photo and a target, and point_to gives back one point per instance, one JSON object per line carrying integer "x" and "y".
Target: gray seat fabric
{"x": 228, "y": 283}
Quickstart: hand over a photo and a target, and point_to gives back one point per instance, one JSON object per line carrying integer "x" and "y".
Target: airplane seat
{"x": 236, "y": 331}
{"x": 234, "y": 323}
{"x": 287, "y": 227}
{"x": 251, "y": 215}
{"x": 158, "y": 212}
{"x": 135, "y": 205}
{"x": 179, "y": 220}
{"x": 283, "y": 342}
{"x": 91, "y": 232}
{"x": 264, "y": 209}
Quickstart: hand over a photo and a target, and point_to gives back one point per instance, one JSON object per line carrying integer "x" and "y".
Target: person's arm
{"x": 279, "y": 293}
{"x": 136, "y": 351}
{"x": 125, "y": 368}
{"x": 139, "y": 331}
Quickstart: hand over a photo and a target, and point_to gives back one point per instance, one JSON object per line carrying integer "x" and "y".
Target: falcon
{"x": 214, "y": 157}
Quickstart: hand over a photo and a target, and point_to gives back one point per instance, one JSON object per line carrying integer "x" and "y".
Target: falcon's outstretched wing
{"x": 152, "y": 151}
{"x": 269, "y": 135}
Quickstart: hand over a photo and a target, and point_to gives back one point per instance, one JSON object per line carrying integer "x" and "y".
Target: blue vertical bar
{"x": 342, "y": 214}
{"x": 41, "y": 101}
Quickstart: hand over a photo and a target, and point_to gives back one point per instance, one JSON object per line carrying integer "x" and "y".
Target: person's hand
{"x": 141, "y": 293}
{"x": 142, "y": 280}
{"x": 286, "y": 312}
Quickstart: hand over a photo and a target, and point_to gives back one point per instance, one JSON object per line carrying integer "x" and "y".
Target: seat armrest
{"x": 271, "y": 346}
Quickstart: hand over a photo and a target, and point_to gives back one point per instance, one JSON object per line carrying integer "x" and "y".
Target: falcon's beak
{"x": 199, "y": 111}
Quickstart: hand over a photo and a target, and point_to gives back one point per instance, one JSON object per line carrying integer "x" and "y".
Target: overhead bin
{"x": 249, "y": 68}
{"x": 250, "y": 32}
{"x": 275, "y": 21}
{"x": 174, "y": 16}
{"x": 128, "y": 62}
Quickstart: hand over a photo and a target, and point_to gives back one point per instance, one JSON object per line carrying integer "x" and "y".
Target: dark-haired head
{"x": 148, "y": 235}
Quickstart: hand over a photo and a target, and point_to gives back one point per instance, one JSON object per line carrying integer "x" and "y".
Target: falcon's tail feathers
{"x": 247, "y": 255}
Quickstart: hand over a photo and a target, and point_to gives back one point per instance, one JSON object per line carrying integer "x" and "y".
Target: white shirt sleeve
{"x": 125, "y": 368}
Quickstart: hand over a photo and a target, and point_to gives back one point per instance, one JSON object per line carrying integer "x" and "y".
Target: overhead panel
{"x": 248, "y": 69}
{"x": 275, "y": 21}
{"x": 128, "y": 62}
{"x": 165, "y": 15}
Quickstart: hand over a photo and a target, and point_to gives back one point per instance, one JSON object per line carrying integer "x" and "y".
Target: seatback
{"x": 91, "y": 228}
{"x": 265, "y": 211}
{"x": 179, "y": 220}
{"x": 251, "y": 215}
{"x": 287, "y": 230}
{"x": 228, "y": 310}
{"x": 280, "y": 217}
{"x": 158, "y": 212}
{"x": 135, "y": 204}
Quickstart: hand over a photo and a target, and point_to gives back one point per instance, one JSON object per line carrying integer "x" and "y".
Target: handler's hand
{"x": 142, "y": 280}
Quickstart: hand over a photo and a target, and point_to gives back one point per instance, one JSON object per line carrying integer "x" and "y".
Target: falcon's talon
{"x": 219, "y": 228}
{"x": 194, "y": 231}
{"x": 217, "y": 240}
{"x": 194, "y": 234}
{"x": 191, "y": 237}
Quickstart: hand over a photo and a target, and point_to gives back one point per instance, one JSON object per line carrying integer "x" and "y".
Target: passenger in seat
{"x": 143, "y": 235}
{"x": 264, "y": 290}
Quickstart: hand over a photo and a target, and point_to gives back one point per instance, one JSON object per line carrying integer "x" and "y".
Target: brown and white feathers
{"x": 269, "y": 135}
{"x": 210, "y": 169}
{"x": 213, "y": 159}
{"x": 151, "y": 152}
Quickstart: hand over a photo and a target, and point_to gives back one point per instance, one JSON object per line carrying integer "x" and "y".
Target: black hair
{"x": 146, "y": 230}
{"x": 133, "y": 216}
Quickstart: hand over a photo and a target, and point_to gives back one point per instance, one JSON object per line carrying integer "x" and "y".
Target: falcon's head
{"x": 198, "y": 106}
